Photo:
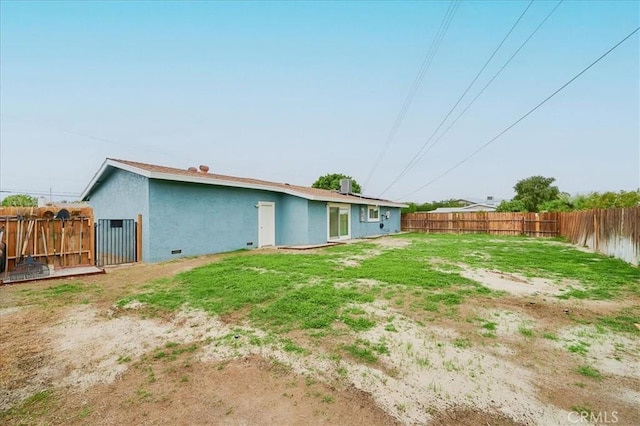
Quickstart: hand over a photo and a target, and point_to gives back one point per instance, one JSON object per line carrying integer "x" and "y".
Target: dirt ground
{"x": 77, "y": 359}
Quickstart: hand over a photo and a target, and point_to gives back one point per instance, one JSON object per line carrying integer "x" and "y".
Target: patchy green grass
{"x": 625, "y": 321}
{"x": 489, "y": 325}
{"x": 313, "y": 291}
{"x": 391, "y": 328}
{"x": 462, "y": 343}
{"x": 581, "y": 409}
{"x": 37, "y": 405}
{"x": 589, "y": 371}
{"x": 366, "y": 351}
{"x": 550, "y": 336}
{"x": 290, "y": 346}
{"x": 526, "y": 331}
{"x": 580, "y": 348}
{"x": 297, "y": 291}
{"x": 60, "y": 294}
{"x": 359, "y": 324}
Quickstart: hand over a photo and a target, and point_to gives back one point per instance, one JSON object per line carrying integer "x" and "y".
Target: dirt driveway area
{"x": 71, "y": 355}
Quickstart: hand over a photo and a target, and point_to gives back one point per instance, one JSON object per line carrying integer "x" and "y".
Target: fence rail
{"x": 37, "y": 232}
{"x": 614, "y": 232}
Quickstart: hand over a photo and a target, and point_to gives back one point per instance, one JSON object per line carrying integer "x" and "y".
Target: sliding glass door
{"x": 339, "y": 220}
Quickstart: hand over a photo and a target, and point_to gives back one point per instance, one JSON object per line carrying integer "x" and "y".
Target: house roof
{"x": 489, "y": 201}
{"x": 183, "y": 175}
{"x": 470, "y": 208}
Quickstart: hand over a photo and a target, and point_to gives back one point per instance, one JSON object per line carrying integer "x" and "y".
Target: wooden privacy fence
{"x": 614, "y": 232}
{"x": 531, "y": 224}
{"x": 52, "y": 241}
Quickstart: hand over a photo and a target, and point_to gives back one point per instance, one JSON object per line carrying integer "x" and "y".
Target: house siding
{"x": 123, "y": 195}
{"x": 317, "y": 229}
{"x": 202, "y": 219}
{"x": 199, "y": 219}
{"x": 364, "y": 228}
{"x": 292, "y": 221}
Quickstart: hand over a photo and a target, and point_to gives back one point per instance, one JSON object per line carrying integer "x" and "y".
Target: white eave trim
{"x": 221, "y": 182}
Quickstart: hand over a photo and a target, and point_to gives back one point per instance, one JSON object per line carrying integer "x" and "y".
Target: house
{"x": 478, "y": 207}
{"x": 187, "y": 212}
{"x": 471, "y": 205}
{"x": 490, "y": 201}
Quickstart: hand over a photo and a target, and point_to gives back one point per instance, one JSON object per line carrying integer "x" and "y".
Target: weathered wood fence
{"x": 614, "y": 232}
{"x": 54, "y": 242}
{"x": 532, "y": 224}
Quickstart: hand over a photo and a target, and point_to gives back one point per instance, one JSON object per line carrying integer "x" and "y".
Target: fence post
{"x": 595, "y": 230}
{"x": 92, "y": 239}
{"x": 486, "y": 222}
{"x": 139, "y": 239}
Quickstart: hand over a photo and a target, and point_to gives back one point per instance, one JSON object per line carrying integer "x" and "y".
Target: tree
{"x": 20, "y": 200}
{"x": 511, "y": 206}
{"x": 534, "y": 191}
{"x": 557, "y": 205}
{"x": 413, "y": 207}
{"x": 427, "y": 207}
{"x": 610, "y": 199}
{"x": 564, "y": 203}
{"x": 331, "y": 182}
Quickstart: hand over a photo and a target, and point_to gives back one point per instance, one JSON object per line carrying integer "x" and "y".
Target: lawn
{"x": 411, "y": 328}
{"x": 285, "y": 290}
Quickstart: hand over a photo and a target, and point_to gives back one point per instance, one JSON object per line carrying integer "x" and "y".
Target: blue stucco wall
{"x": 123, "y": 195}
{"x": 202, "y": 219}
{"x": 367, "y": 229}
{"x": 317, "y": 226}
{"x": 317, "y": 214}
{"x": 292, "y": 221}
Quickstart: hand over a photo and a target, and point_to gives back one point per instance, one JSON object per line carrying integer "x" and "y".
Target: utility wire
{"x": 30, "y": 192}
{"x": 141, "y": 147}
{"x": 412, "y": 163}
{"x": 489, "y": 82}
{"x": 468, "y": 157}
{"x": 426, "y": 63}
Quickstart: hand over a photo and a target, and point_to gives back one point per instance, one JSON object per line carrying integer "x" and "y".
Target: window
{"x": 374, "y": 214}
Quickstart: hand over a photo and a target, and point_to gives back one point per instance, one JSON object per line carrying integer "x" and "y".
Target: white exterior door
{"x": 266, "y": 223}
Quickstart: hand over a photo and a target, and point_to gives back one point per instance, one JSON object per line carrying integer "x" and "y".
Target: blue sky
{"x": 289, "y": 91}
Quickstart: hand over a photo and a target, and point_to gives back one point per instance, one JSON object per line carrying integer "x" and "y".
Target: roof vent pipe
{"x": 204, "y": 168}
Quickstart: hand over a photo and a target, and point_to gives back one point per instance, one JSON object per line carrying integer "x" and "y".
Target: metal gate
{"x": 115, "y": 241}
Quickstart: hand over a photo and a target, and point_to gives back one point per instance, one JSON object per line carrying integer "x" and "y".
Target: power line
{"x": 424, "y": 67}
{"x": 489, "y": 82}
{"x": 412, "y": 163}
{"x": 39, "y": 192}
{"x": 468, "y": 157}
{"x": 141, "y": 147}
